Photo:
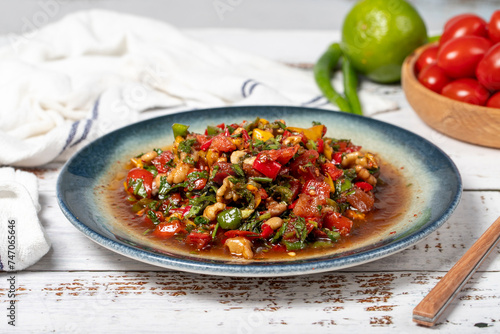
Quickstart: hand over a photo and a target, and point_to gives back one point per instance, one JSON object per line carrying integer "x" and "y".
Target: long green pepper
{"x": 351, "y": 86}
{"x": 322, "y": 70}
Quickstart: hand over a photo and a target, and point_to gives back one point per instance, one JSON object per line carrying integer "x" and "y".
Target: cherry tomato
{"x": 460, "y": 56}
{"x": 466, "y": 90}
{"x": 429, "y": 56}
{"x": 144, "y": 186}
{"x": 457, "y": 18}
{"x": 494, "y": 101}
{"x": 467, "y": 25}
{"x": 434, "y": 78}
{"x": 494, "y": 27}
{"x": 488, "y": 69}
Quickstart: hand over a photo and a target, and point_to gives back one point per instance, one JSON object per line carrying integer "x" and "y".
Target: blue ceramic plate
{"x": 435, "y": 182}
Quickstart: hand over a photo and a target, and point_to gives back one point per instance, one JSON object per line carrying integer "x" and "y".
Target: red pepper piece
{"x": 206, "y": 145}
{"x": 332, "y": 170}
{"x": 337, "y": 158}
{"x": 245, "y": 136}
{"x": 267, "y": 231}
{"x": 221, "y": 126}
{"x": 365, "y": 186}
{"x": 267, "y": 167}
{"x": 321, "y": 145}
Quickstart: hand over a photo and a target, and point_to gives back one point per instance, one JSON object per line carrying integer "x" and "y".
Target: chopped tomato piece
{"x": 167, "y": 230}
{"x": 335, "y": 221}
{"x": 317, "y": 188}
{"x": 263, "y": 194}
{"x": 221, "y": 143}
{"x": 224, "y": 170}
{"x": 332, "y": 170}
{"x": 140, "y": 182}
{"x": 309, "y": 156}
{"x": 361, "y": 200}
{"x": 199, "y": 240}
{"x": 161, "y": 161}
{"x": 158, "y": 214}
{"x": 307, "y": 206}
{"x": 282, "y": 155}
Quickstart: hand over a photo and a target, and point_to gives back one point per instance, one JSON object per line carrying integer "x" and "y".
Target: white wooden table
{"x": 80, "y": 287}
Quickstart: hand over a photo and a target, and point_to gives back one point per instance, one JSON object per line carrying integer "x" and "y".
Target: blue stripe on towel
{"x": 317, "y": 98}
{"x": 71, "y": 135}
{"x": 89, "y": 124}
{"x": 252, "y": 87}
{"x": 244, "y": 86}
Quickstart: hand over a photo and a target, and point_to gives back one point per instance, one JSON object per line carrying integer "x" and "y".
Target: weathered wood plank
{"x": 81, "y": 302}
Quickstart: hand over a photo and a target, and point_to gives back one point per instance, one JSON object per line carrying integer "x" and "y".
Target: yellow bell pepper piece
{"x": 328, "y": 151}
{"x": 261, "y": 135}
{"x": 330, "y": 182}
{"x": 263, "y": 121}
{"x": 238, "y": 142}
{"x": 137, "y": 162}
{"x": 212, "y": 157}
{"x": 255, "y": 192}
{"x": 189, "y": 222}
{"x": 313, "y": 133}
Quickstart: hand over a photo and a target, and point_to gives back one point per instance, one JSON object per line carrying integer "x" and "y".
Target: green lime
{"x": 377, "y": 35}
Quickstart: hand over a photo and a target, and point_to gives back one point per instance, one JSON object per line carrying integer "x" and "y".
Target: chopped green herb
{"x": 185, "y": 145}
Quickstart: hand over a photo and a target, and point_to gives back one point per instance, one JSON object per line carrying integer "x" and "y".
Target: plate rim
{"x": 265, "y": 269}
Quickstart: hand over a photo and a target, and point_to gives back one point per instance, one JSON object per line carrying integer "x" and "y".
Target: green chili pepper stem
{"x": 322, "y": 70}
{"x": 351, "y": 86}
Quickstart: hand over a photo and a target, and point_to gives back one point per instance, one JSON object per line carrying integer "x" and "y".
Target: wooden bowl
{"x": 467, "y": 122}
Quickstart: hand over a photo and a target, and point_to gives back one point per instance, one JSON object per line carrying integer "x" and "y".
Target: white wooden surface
{"x": 80, "y": 287}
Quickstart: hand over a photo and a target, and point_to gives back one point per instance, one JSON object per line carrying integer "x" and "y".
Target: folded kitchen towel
{"x": 22, "y": 239}
{"x": 50, "y": 80}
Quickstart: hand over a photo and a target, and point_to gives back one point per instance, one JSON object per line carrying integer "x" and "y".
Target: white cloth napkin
{"x": 22, "y": 239}
{"x": 50, "y": 80}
